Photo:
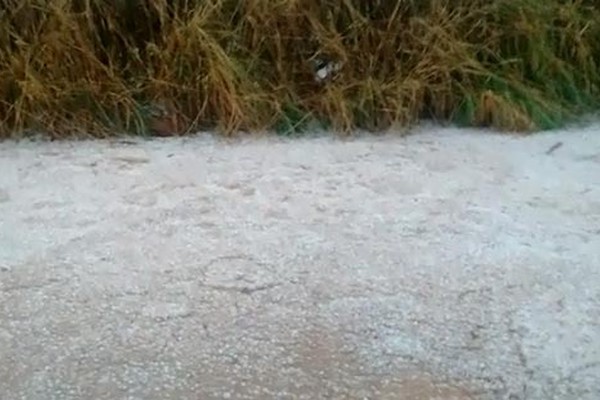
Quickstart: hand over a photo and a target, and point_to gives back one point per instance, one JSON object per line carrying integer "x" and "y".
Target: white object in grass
{"x": 326, "y": 70}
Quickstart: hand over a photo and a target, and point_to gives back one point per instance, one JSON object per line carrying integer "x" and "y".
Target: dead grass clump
{"x": 169, "y": 66}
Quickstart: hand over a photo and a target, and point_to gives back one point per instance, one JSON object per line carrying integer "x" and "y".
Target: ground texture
{"x": 443, "y": 265}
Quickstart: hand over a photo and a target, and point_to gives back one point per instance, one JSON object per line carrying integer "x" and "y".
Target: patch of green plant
{"x": 230, "y": 65}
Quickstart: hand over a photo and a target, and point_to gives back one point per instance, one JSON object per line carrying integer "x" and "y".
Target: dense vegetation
{"x": 162, "y": 66}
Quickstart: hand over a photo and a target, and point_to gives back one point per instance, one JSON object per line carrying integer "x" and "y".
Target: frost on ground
{"x": 449, "y": 264}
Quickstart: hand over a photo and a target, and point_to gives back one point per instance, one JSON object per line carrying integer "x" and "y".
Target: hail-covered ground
{"x": 447, "y": 264}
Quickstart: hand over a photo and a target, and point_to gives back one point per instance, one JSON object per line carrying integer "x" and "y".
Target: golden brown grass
{"x": 170, "y": 66}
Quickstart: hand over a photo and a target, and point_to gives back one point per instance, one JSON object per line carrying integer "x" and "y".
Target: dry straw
{"x": 73, "y": 67}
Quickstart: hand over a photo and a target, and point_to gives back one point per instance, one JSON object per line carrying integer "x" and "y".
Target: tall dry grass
{"x": 170, "y": 66}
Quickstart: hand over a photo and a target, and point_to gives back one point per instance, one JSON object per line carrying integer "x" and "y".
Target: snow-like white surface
{"x": 451, "y": 263}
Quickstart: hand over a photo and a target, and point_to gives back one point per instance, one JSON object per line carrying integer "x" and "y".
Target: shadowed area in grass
{"x": 164, "y": 67}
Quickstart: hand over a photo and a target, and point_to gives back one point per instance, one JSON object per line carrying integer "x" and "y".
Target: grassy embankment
{"x": 162, "y": 66}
